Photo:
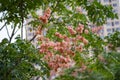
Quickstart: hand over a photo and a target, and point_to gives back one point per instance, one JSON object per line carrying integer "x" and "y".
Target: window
{"x": 109, "y": 34}
{"x": 110, "y": 1}
{"x": 29, "y": 34}
{"x": 115, "y": 11}
{"x": 115, "y": 5}
{"x": 30, "y": 29}
{"x": 112, "y": 23}
{"x": 117, "y": 23}
{"x": 106, "y": 0}
{"x": 102, "y": 31}
{"x": 118, "y": 29}
{"x": 108, "y": 24}
{"x": 113, "y": 30}
{"x": 108, "y": 30}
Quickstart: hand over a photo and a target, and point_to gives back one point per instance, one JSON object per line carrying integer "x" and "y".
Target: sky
{"x": 3, "y": 32}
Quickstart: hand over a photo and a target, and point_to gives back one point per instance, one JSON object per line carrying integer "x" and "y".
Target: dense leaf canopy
{"x": 18, "y": 61}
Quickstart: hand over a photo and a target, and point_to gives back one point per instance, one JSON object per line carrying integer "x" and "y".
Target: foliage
{"x": 88, "y": 61}
{"x": 113, "y": 40}
{"x": 18, "y": 61}
{"x": 95, "y": 12}
{"x": 15, "y": 11}
{"x": 113, "y": 63}
{"x": 108, "y": 70}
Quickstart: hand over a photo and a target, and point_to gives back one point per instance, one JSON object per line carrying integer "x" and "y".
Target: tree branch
{"x": 48, "y": 19}
{"x": 13, "y": 33}
{"x": 22, "y": 17}
{"x": 53, "y": 11}
{"x": 3, "y": 26}
{"x": 22, "y": 30}
{"x": 33, "y": 38}
{"x": 16, "y": 31}
{"x": 7, "y": 32}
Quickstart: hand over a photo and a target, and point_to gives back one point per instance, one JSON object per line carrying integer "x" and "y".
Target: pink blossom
{"x": 78, "y": 37}
{"x": 45, "y": 16}
{"x": 59, "y": 35}
{"x": 66, "y": 38}
{"x": 44, "y": 19}
{"x": 39, "y": 30}
{"x": 85, "y": 41}
{"x": 51, "y": 44}
{"x": 79, "y": 48}
{"x": 58, "y": 61}
{"x": 86, "y": 31}
{"x": 59, "y": 55}
{"x": 71, "y": 30}
{"x": 80, "y": 28}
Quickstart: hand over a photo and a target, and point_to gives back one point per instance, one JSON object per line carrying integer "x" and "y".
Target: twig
{"x": 16, "y": 31}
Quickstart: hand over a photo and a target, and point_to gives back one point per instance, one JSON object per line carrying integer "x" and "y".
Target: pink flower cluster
{"x": 85, "y": 41}
{"x": 57, "y": 61}
{"x": 86, "y": 31}
{"x": 60, "y": 54}
{"x": 63, "y": 47}
{"x": 71, "y": 30}
{"x": 80, "y": 28}
{"x": 39, "y": 30}
{"x": 59, "y": 35}
{"x": 42, "y": 38}
{"x": 46, "y": 15}
{"x": 79, "y": 48}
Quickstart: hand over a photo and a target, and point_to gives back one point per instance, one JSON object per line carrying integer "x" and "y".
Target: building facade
{"x": 112, "y": 25}
{"x": 30, "y": 30}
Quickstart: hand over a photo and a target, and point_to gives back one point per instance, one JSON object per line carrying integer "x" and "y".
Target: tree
{"x": 69, "y": 40}
{"x": 18, "y": 60}
{"x": 68, "y": 22}
{"x": 14, "y": 13}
